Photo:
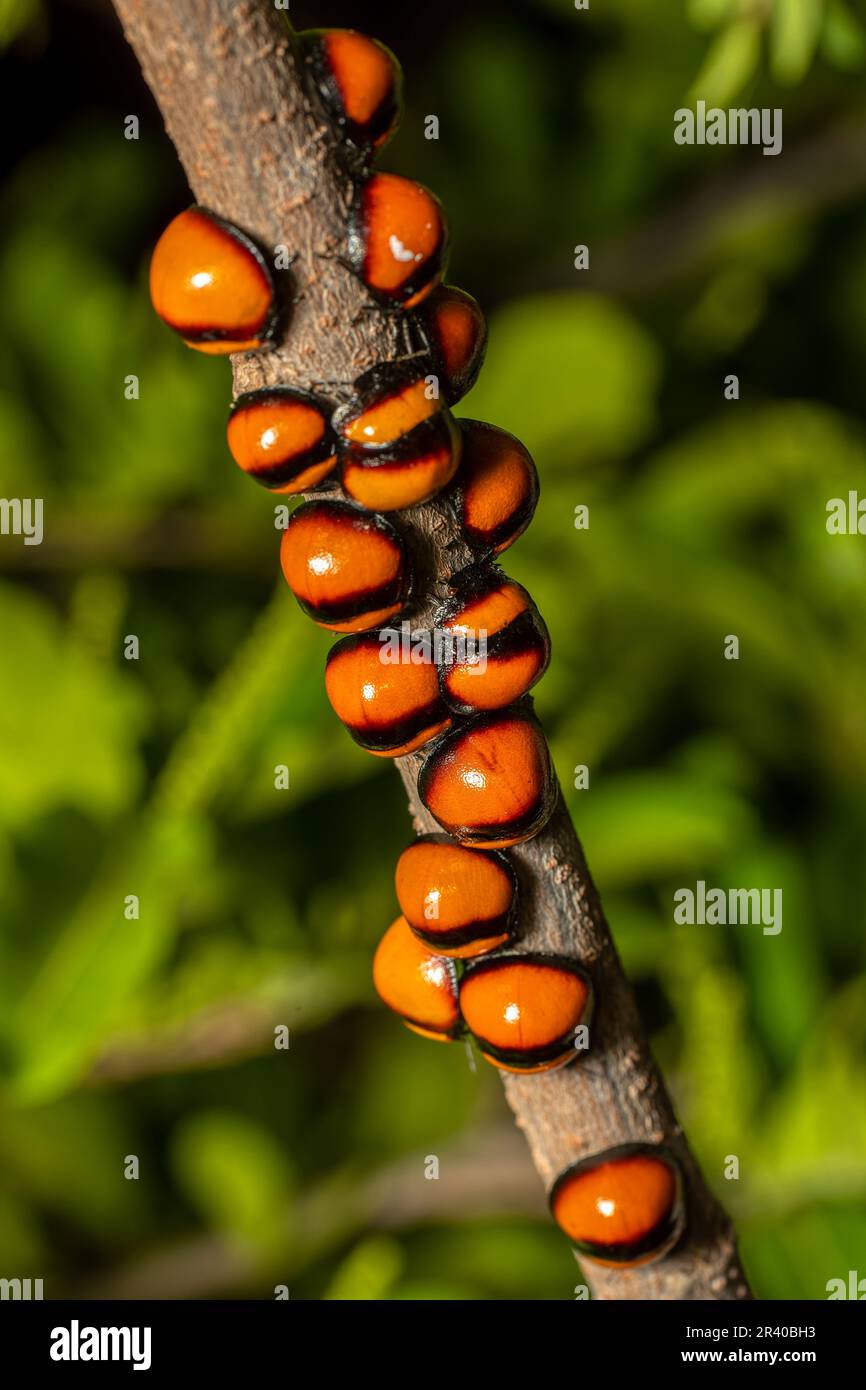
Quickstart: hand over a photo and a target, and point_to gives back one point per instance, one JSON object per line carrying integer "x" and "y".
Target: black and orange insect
{"x": 498, "y": 643}
{"x": 498, "y": 487}
{"x": 398, "y": 239}
{"x": 282, "y": 438}
{"x": 390, "y": 707}
{"x": 399, "y": 442}
{"x": 360, "y": 82}
{"x": 489, "y": 781}
{"x": 460, "y": 902}
{"x": 457, "y": 334}
{"x": 417, "y": 984}
{"x": 212, "y": 285}
{"x": 348, "y": 569}
{"x": 621, "y": 1207}
{"x": 523, "y": 1011}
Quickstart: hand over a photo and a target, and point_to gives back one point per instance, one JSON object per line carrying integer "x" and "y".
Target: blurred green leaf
{"x": 568, "y": 373}
{"x": 368, "y": 1272}
{"x": 844, "y": 39}
{"x": 15, "y": 17}
{"x": 732, "y": 59}
{"x": 650, "y": 825}
{"x": 234, "y": 1173}
{"x": 68, "y": 723}
{"x": 794, "y": 36}
{"x": 706, "y": 14}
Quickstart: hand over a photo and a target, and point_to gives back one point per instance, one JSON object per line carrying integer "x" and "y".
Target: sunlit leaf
{"x": 731, "y": 61}
{"x": 794, "y": 36}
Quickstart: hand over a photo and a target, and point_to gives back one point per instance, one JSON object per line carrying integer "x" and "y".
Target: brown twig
{"x": 225, "y": 75}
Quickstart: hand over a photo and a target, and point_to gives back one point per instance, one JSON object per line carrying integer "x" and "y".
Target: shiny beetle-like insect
{"x": 489, "y": 780}
{"x": 418, "y": 985}
{"x": 390, "y": 707}
{"x": 399, "y": 442}
{"x": 348, "y": 569}
{"x": 498, "y": 645}
{"x": 282, "y": 438}
{"x": 524, "y": 1011}
{"x": 359, "y": 81}
{"x": 621, "y": 1207}
{"x": 398, "y": 239}
{"x": 460, "y": 902}
{"x": 212, "y": 285}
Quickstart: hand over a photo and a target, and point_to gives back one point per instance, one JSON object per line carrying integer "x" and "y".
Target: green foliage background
{"x": 154, "y": 1037}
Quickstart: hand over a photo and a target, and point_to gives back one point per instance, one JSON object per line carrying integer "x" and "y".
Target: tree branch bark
{"x": 226, "y": 78}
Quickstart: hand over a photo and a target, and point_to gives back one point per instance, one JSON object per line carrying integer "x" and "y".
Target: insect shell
{"x": 389, "y": 707}
{"x": 460, "y": 902}
{"x": 398, "y": 239}
{"x": 349, "y": 570}
{"x": 457, "y": 333}
{"x": 212, "y": 285}
{"x": 359, "y": 81}
{"x": 498, "y": 645}
{"x": 497, "y": 487}
{"x": 282, "y": 438}
{"x": 621, "y": 1207}
{"x": 524, "y": 1010}
{"x": 489, "y": 780}
{"x": 418, "y": 985}
{"x": 398, "y": 440}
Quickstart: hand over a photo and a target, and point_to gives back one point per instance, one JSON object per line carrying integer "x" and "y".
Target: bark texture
{"x": 226, "y": 77}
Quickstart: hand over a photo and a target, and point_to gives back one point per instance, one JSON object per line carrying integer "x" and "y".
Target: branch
{"x": 225, "y": 76}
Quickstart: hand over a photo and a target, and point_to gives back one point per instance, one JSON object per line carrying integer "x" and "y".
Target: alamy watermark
{"x": 21, "y": 1289}
{"x": 439, "y": 646}
{"x": 737, "y": 126}
{"x": 22, "y": 516}
{"x": 77, "y": 1343}
{"x": 719, "y": 907}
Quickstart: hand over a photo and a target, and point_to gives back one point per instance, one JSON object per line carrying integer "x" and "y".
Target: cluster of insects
{"x": 447, "y": 966}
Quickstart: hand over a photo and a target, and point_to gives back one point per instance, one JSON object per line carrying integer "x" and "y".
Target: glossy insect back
{"x": 419, "y": 986}
{"x": 523, "y": 1011}
{"x": 390, "y": 707}
{"x": 400, "y": 444}
{"x": 489, "y": 781}
{"x": 398, "y": 239}
{"x": 360, "y": 82}
{"x": 212, "y": 285}
{"x": 621, "y": 1207}
{"x": 461, "y": 902}
{"x": 348, "y": 570}
{"x": 498, "y": 487}
{"x": 282, "y": 438}
{"x": 457, "y": 333}
{"x": 499, "y": 645}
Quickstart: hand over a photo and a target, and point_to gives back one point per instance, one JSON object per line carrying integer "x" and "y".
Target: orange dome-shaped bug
{"x": 282, "y": 438}
{"x": 621, "y": 1207}
{"x": 461, "y": 902}
{"x": 498, "y": 487}
{"x": 523, "y": 1010}
{"x": 398, "y": 239}
{"x": 400, "y": 445}
{"x": 489, "y": 781}
{"x": 212, "y": 285}
{"x": 457, "y": 333}
{"x": 389, "y": 706}
{"x": 348, "y": 569}
{"x": 360, "y": 82}
{"x": 498, "y": 645}
{"x": 419, "y": 986}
